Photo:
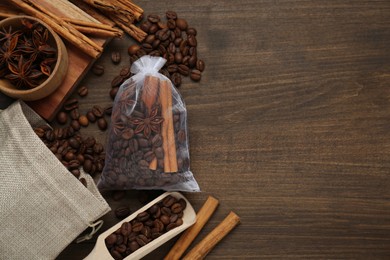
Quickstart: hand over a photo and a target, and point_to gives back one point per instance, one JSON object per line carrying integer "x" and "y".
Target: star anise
{"x": 8, "y": 52}
{"x": 40, "y": 45}
{"x": 23, "y": 75}
{"x": 46, "y": 65}
{"x": 8, "y": 35}
{"x": 148, "y": 124}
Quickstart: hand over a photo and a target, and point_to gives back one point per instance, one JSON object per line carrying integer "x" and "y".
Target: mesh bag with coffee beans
{"x": 148, "y": 137}
{"x": 43, "y": 207}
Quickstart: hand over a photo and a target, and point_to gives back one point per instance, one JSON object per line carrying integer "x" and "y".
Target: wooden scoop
{"x": 100, "y": 251}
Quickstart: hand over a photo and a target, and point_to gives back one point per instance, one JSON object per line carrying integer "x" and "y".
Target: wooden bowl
{"x": 57, "y": 75}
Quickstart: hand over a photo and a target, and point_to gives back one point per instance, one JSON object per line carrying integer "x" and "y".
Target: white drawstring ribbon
{"x": 95, "y": 228}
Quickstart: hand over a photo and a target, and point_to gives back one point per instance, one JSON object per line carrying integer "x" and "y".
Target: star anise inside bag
{"x": 148, "y": 123}
{"x": 26, "y": 56}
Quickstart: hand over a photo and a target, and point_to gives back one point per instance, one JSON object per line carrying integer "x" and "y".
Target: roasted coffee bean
{"x": 192, "y": 61}
{"x": 200, "y": 65}
{"x": 171, "y": 24}
{"x": 125, "y": 72}
{"x": 119, "y": 238}
{"x": 115, "y": 57}
{"x": 192, "y": 40}
{"x": 98, "y": 111}
{"x": 172, "y": 68}
{"x": 71, "y": 104}
{"x": 178, "y": 57}
{"x": 183, "y": 69}
{"x": 192, "y": 31}
{"x": 176, "y": 208}
{"x": 196, "y": 75}
{"x": 82, "y": 91}
{"x": 171, "y": 226}
{"x": 108, "y": 111}
{"x": 80, "y": 158}
{"x": 74, "y": 114}
{"x": 111, "y": 239}
{"x": 134, "y": 246}
{"x": 183, "y": 203}
{"x": 153, "y": 28}
{"x": 62, "y": 118}
{"x": 75, "y": 125}
{"x": 121, "y": 248}
{"x": 141, "y": 240}
{"x": 168, "y": 201}
{"x": 147, "y": 47}
{"x": 137, "y": 226}
{"x": 171, "y": 15}
{"x": 145, "y": 26}
{"x": 117, "y": 81}
{"x": 181, "y": 24}
{"x": 176, "y": 79}
{"x": 150, "y": 38}
{"x": 143, "y": 216}
{"x": 87, "y": 166}
{"x": 69, "y": 156}
{"x": 113, "y": 92}
{"x": 146, "y": 231}
{"x": 122, "y": 212}
{"x": 102, "y": 124}
{"x": 153, "y": 18}
{"x": 164, "y": 219}
{"x": 83, "y": 181}
{"x": 83, "y": 120}
{"x": 157, "y": 140}
{"x": 127, "y": 133}
{"x": 98, "y": 69}
{"x": 91, "y": 117}
{"x": 74, "y": 165}
{"x": 125, "y": 229}
{"x": 133, "y": 49}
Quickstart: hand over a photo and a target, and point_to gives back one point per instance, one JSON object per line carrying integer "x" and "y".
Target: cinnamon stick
{"x": 190, "y": 234}
{"x": 59, "y": 28}
{"x": 167, "y": 133}
{"x": 97, "y": 31}
{"x": 93, "y": 12}
{"x": 131, "y": 29}
{"x": 135, "y": 9}
{"x": 204, "y": 247}
{"x": 91, "y": 24}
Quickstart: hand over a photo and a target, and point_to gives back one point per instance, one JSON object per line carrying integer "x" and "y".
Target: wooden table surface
{"x": 289, "y": 126}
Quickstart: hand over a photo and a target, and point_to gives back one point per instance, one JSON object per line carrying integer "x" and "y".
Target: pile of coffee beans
{"x": 132, "y": 151}
{"x": 73, "y": 150}
{"x": 173, "y": 40}
{"x": 147, "y": 226}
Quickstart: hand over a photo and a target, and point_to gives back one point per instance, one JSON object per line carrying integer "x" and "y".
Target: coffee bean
{"x": 171, "y": 15}
{"x": 98, "y": 111}
{"x": 108, "y": 111}
{"x": 83, "y": 181}
{"x": 102, "y": 124}
{"x": 171, "y": 226}
{"x": 145, "y": 26}
{"x": 176, "y": 208}
{"x": 98, "y": 69}
{"x": 111, "y": 239}
{"x": 192, "y": 40}
{"x": 82, "y": 91}
{"x": 171, "y": 24}
{"x": 83, "y": 120}
{"x": 192, "y": 61}
{"x": 74, "y": 114}
{"x": 125, "y": 72}
{"x": 191, "y": 31}
{"x": 168, "y": 201}
{"x": 181, "y": 24}
{"x": 71, "y": 104}
{"x": 153, "y": 28}
{"x": 122, "y": 212}
{"x": 127, "y": 133}
{"x": 62, "y": 118}
{"x": 117, "y": 81}
{"x": 113, "y": 92}
{"x": 132, "y": 50}
{"x": 138, "y": 226}
{"x": 153, "y": 18}
{"x": 183, "y": 69}
{"x": 125, "y": 229}
{"x": 196, "y": 75}
{"x": 178, "y": 57}
{"x": 115, "y": 57}
{"x": 91, "y": 117}
{"x": 165, "y": 219}
{"x": 176, "y": 79}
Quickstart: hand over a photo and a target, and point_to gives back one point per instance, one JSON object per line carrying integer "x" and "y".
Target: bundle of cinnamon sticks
{"x": 108, "y": 12}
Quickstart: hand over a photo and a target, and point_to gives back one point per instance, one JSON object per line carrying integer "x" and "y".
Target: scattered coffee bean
{"x": 74, "y": 114}
{"x": 83, "y": 120}
{"x": 132, "y": 50}
{"x": 91, "y": 117}
{"x": 171, "y": 15}
{"x": 82, "y": 91}
{"x": 71, "y": 104}
{"x": 102, "y": 124}
{"x": 200, "y": 65}
{"x": 196, "y": 75}
{"x": 97, "y": 69}
{"x": 62, "y": 118}
{"x": 122, "y": 212}
{"x": 115, "y": 57}
{"x": 117, "y": 81}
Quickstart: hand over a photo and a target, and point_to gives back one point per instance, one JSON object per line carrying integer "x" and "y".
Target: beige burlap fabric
{"x": 43, "y": 208}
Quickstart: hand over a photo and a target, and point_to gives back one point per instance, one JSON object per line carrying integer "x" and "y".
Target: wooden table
{"x": 289, "y": 126}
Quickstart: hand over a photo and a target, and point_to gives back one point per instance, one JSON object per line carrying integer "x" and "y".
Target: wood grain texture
{"x": 289, "y": 126}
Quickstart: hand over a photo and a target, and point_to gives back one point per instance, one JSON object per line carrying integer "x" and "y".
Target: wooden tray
{"x": 79, "y": 63}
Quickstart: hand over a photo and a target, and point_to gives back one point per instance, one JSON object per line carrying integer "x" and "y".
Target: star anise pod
{"x": 148, "y": 124}
{"x": 8, "y": 52}
{"x": 22, "y": 75}
{"x": 46, "y": 65}
{"x": 8, "y": 35}
{"x": 40, "y": 45}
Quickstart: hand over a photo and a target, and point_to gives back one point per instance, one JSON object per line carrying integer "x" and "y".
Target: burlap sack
{"x": 43, "y": 208}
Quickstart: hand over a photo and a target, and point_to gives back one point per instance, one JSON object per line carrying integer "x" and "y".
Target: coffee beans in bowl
{"x": 33, "y": 59}
{"x": 146, "y": 229}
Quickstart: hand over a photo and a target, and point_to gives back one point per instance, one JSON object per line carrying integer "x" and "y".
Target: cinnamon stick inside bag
{"x": 167, "y": 130}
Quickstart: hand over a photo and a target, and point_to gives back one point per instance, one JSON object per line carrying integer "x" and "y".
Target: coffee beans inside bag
{"x": 148, "y": 137}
